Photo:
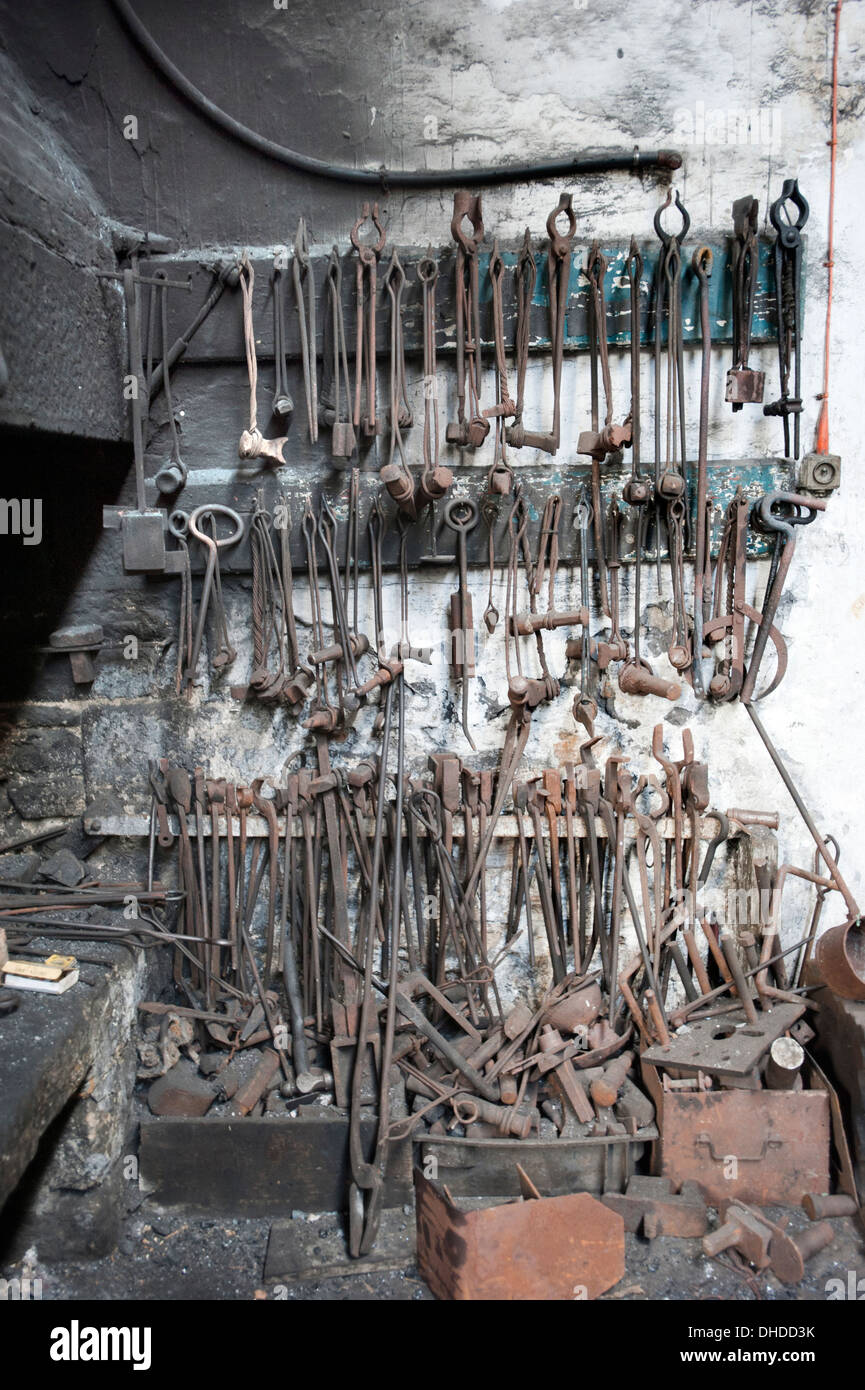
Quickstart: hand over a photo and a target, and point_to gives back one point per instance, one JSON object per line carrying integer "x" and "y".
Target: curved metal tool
{"x": 701, "y": 264}
{"x": 670, "y": 483}
{"x": 585, "y": 709}
{"x": 471, "y": 432}
{"x": 368, "y": 257}
{"x": 558, "y": 277}
{"x": 395, "y": 474}
{"x": 744, "y": 384}
{"x": 434, "y": 479}
{"x": 840, "y": 952}
{"x": 301, "y": 267}
{"x": 213, "y": 545}
{"x": 461, "y": 516}
{"x": 788, "y": 274}
{"x": 778, "y": 512}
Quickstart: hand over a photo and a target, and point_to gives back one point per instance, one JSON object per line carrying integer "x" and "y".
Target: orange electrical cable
{"x": 822, "y": 444}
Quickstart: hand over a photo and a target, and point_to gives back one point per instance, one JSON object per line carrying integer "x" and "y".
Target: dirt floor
{"x": 162, "y": 1255}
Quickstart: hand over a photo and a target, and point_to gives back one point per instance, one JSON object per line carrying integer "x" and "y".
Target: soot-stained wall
{"x": 743, "y": 90}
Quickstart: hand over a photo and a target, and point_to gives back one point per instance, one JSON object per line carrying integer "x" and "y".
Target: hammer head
{"x": 552, "y": 780}
{"x": 216, "y": 791}
{"x": 253, "y": 445}
{"x": 343, "y": 440}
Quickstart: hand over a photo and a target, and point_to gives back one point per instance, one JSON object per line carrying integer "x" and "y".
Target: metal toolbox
{"x": 488, "y": 1167}
{"x": 760, "y": 1146}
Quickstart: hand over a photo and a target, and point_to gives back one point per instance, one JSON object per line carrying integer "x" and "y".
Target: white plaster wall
{"x": 527, "y": 79}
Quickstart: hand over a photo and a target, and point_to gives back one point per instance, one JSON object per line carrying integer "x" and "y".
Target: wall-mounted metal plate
{"x": 432, "y": 543}
{"x": 220, "y": 338}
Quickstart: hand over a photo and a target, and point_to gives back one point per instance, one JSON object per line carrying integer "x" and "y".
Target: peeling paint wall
{"x": 427, "y": 84}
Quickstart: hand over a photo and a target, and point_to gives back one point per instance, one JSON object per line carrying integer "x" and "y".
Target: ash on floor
{"x": 164, "y": 1255}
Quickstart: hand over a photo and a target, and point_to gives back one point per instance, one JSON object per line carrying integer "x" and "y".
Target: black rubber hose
{"x": 598, "y": 162}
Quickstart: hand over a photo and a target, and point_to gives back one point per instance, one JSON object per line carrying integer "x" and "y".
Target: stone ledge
{"x": 69, "y": 1063}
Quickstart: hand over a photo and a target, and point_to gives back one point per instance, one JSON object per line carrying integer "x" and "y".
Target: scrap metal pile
{"x": 361, "y": 904}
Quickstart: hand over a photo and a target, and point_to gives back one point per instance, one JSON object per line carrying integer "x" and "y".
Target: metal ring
{"x": 560, "y": 242}
{"x": 216, "y": 509}
{"x": 466, "y": 1109}
{"x": 468, "y": 522}
{"x": 178, "y": 525}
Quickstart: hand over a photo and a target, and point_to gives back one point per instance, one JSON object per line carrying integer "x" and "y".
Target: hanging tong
{"x": 744, "y": 385}
{"x": 283, "y": 405}
{"x": 461, "y": 516}
{"x": 335, "y": 383}
{"x": 301, "y": 269}
{"x": 596, "y": 442}
{"x": 558, "y": 279}
{"x": 435, "y": 479}
{"x": 670, "y": 412}
{"x": 468, "y": 433}
{"x": 585, "y": 709}
{"x": 788, "y": 278}
{"x": 636, "y": 676}
{"x": 253, "y": 444}
{"x": 500, "y": 478}
{"x": 368, "y": 257}
{"x": 701, "y": 264}
{"x": 525, "y": 276}
{"x": 395, "y": 474}
{"x": 729, "y": 626}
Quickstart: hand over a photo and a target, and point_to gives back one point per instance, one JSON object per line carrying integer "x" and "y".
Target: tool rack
{"x": 136, "y": 827}
{"x": 309, "y": 471}
{"x": 220, "y": 337}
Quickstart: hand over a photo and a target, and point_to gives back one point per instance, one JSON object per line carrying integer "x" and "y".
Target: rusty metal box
{"x": 488, "y": 1167}
{"x": 760, "y": 1146}
{"x": 569, "y": 1247}
{"x": 260, "y": 1167}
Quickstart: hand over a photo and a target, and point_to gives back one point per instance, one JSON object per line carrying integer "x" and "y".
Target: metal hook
{"x": 394, "y": 272}
{"x": 467, "y": 205}
{"x": 428, "y": 268}
{"x": 368, "y": 251}
{"x": 301, "y": 244}
{"x": 583, "y": 511}
{"x": 497, "y": 265}
{"x": 789, "y": 231}
{"x": 667, "y": 237}
{"x": 560, "y": 243}
{"x": 596, "y": 265}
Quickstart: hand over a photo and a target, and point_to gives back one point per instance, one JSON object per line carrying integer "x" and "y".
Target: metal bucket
{"x": 840, "y": 957}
